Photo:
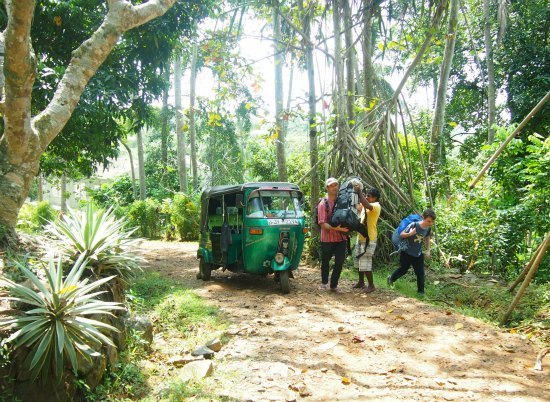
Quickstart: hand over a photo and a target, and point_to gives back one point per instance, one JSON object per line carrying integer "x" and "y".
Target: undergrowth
{"x": 181, "y": 316}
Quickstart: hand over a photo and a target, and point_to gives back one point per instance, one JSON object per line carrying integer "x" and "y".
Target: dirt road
{"x": 320, "y": 346}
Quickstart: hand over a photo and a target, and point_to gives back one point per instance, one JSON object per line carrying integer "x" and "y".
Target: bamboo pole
{"x": 424, "y": 170}
{"x": 526, "y": 120}
{"x": 537, "y": 259}
{"x": 333, "y": 150}
{"x": 525, "y": 269}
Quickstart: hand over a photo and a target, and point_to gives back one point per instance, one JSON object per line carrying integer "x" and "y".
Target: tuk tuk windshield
{"x": 274, "y": 204}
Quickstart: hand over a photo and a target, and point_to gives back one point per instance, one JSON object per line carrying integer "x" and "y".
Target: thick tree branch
{"x": 121, "y": 17}
{"x": 305, "y": 37}
{"x": 425, "y": 45}
{"x": 20, "y": 73}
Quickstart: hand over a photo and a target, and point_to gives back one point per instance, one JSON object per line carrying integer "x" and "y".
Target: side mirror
{"x": 239, "y": 200}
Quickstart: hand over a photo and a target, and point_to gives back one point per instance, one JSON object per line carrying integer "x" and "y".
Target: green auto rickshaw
{"x": 256, "y": 228}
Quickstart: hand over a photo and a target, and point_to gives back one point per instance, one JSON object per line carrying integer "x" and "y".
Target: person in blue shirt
{"x": 416, "y": 233}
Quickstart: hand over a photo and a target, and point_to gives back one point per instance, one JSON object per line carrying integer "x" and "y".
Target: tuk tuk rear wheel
{"x": 285, "y": 281}
{"x": 205, "y": 270}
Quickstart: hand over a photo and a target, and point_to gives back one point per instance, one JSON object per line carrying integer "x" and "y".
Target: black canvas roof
{"x": 235, "y": 188}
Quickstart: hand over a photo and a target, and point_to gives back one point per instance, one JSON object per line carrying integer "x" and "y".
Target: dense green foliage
{"x": 496, "y": 228}
{"x": 33, "y": 217}
{"x": 176, "y": 215}
{"x": 55, "y": 323}
{"x": 121, "y": 89}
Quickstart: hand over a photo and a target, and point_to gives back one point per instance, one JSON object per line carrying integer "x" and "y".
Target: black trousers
{"x": 328, "y": 250}
{"x": 405, "y": 261}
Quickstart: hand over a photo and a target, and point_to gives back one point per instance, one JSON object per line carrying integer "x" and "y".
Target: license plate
{"x": 278, "y": 222}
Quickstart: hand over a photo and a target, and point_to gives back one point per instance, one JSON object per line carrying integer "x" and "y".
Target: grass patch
{"x": 180, "y": 316}
{"x": 172, "y": 306}
{"x": 177, "y": 391}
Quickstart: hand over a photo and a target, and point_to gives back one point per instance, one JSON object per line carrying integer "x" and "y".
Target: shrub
{"x": 184, "y": 216}
{"x": 117, "y": 192}
{"x": 145, "y": 216}
{"x": 34, "y": 216}
{"x": 101, "y": 238}
{"x": 55, "y": 327}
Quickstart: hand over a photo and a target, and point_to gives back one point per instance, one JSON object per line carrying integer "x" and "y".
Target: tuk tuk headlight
{"x": 279, "y": 258}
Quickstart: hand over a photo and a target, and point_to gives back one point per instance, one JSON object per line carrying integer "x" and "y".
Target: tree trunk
{"x": 368, "y": 70}
{"x": 286, "y": 112}
{"x": 132, "y": 169}
{"x": 436, "y": 19}
{"x": 338, "y": 84}
{"x": 350, "y": 63}
{"x": 192, "y": 84}
{"x": 141, "y": 166}
{"x": 64, "y": 194}
{"x": 491, "y": 96}
{"x": 436, "y": 147}
{"x": 312, "y": 116}
{"x": 182, "y": 165}
{"x": 1, "y": 66}
{"x": 40, "y": 185}
{"x": 164, "y": 125}
{"x": 278, "y": 61}
{"x": 25, "y": 138}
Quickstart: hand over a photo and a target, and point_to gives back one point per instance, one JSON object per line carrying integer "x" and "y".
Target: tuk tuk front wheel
{"x": 205, "y": 270}
{"x": 285, "y": 281}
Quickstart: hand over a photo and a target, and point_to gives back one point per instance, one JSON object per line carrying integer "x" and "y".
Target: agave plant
{"x": 56, "y": 327}
{"x": 100, "y": 237}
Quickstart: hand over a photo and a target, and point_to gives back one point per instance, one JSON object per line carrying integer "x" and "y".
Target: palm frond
{"x": 502, "y": 18}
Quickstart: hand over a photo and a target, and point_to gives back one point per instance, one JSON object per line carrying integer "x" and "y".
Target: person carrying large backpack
{"x": 415, "y": 234}
{"x": 333, "y": 239}
{"x": 366, "y": 245}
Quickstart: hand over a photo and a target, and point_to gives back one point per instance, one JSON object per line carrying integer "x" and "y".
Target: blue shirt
{"x": 415, "y": 242}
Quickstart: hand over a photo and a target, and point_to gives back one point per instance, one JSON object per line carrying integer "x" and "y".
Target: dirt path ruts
{"x": 302, "y": 345}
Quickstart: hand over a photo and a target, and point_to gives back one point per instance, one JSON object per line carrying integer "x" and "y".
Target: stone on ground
{"x": 197, "y": 370}
{"x": 214, "y": 344}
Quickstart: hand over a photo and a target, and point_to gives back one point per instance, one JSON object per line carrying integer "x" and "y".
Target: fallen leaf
{"x": 440, "y": 383}
{"x": 392, "y": 370}
{"x": 304, "y": 370}
{"x": 399, "y": 317}
{"x": 448, "y": 312}
{"x": 346, "y": 381}
{"x": 458, "y": 326}
{"x": 436, "y": 282}
{"x": 390, "y": 311}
